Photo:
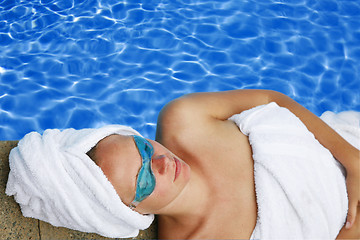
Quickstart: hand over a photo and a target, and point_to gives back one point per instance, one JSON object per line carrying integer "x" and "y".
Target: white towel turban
{"x": 54, "y": 180}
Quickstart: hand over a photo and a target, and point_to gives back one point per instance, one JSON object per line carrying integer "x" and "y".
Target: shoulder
{"x": 182, "y": 117}
{"x": 178, "y": 120}
{"x": 186, "y": 125}
{"x": 216, "y": 105}
{"x": 208, "y": 109}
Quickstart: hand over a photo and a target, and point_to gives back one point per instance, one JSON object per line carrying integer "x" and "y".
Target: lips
{"x": 177, "y": 168}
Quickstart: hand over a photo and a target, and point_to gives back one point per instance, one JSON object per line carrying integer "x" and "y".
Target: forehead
{"x": 118, "y": 157}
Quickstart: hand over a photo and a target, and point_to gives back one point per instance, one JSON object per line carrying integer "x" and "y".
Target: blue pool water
{"x": 88, "y": 63}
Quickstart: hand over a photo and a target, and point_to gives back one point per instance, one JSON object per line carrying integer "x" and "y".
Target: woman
{"x": 202, "y": 179}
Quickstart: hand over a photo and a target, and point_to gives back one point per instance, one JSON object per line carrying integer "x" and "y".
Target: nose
{"x": 160, "y": 164}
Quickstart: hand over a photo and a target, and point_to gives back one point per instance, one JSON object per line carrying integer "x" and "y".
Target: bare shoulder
{"x": 196, "y": 108}
{"x": 190, "y": 119}
{"x": 180, "y": 117}
{"x": 180, "y": 128}
{"x": 202, "y": 117}
{"x": 204, "y": 109}
{"x": 191, "y": 132}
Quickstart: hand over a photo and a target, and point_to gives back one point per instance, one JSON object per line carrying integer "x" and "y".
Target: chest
{"x": 232, "y": 210}
{"x": 225, "y": 161}
{"x": 227, "y": 220}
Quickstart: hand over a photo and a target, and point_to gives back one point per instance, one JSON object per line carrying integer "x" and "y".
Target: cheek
{"x": 163, "y": 194}
{"x": 156, "y": 201}
{"x": 166, "y": 189}
{"x": 162, "y": 191}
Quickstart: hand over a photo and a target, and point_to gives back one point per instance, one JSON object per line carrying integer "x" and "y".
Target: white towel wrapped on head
{"x": 300, "y": 187}
{"x": 54, "y": 180}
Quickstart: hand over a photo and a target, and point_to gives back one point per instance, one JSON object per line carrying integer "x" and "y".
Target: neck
{"x": 191, "y": 203}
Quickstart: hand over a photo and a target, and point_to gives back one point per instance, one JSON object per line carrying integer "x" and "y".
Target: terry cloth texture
{"x": 54, "y": 180}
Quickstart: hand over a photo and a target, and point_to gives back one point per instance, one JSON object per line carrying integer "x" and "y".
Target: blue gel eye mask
{"x": 145, "y": 183}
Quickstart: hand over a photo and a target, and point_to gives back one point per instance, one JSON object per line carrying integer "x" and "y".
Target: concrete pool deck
{"x": 13, "y": 225}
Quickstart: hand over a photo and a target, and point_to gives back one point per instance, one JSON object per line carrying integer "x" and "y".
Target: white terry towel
{"x": 53, "y": 179}
{"x": 300, "y": 187}
{"x": 347, "y": 124}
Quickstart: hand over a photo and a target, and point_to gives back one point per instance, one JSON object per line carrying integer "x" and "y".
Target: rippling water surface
{"x": 89, "y": 63}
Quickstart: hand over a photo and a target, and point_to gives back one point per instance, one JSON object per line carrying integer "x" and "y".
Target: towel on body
{"x": 54, "y": 180}
{"x": 300, "y": 187}
{"x": 347, "y": 124}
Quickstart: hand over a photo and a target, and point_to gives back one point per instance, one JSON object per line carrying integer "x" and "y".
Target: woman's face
{"x": 119, "y": 158}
